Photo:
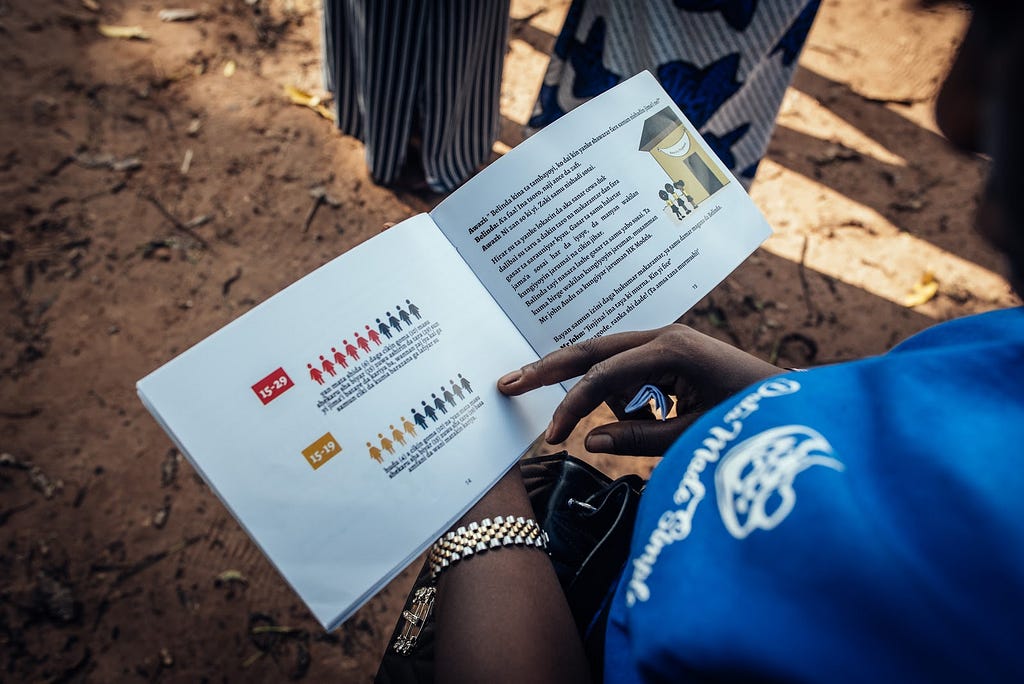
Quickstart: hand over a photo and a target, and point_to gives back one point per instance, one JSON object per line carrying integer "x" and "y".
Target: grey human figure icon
{"x": 404, "y": 315}
{"x": 439, "y": 403}
{"x": 385, "y": 330}
{"x": 465, "y": 384}
{"x": 457, "y": 389}
{"x": 393, "y": 322}
{"x": 448, "y": 396}
{"x": 413, "y": 309}
{"x": 429, "y": 411}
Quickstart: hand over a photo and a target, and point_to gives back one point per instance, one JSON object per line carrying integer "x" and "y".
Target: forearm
{"x": 501, "y": 614}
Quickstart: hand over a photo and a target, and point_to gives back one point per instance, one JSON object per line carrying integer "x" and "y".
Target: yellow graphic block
{"x": 321, "y": 451}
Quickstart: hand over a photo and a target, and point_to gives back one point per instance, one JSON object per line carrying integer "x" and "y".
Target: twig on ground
{"x": 184, "y": 228}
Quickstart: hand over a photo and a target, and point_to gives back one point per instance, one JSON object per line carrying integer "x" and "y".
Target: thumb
{"x": 638, "y": 437}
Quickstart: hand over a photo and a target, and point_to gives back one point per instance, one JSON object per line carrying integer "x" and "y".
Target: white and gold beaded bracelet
{"x": 486, "y": 534}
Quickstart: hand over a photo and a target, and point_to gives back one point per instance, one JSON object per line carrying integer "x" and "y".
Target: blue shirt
{"x": 856, "y": 522}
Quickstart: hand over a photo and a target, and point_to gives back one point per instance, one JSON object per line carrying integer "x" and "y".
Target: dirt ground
{"x": 153, "y": 190}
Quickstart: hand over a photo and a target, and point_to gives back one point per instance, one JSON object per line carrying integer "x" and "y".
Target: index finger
{"x": 571, "y": 361}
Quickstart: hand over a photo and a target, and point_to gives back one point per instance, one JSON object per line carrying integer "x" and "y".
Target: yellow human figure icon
{"x": 409, "y": 428}
{"x": 375, "y": 453}
{"x": 397, "y": 435}
{"x": 386, "y": 443}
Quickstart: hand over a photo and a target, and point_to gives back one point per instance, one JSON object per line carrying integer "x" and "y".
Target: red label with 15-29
{"x": 272, "y": 386}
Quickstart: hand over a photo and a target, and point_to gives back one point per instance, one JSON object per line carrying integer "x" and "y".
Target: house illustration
{"x": 672, "y": 145}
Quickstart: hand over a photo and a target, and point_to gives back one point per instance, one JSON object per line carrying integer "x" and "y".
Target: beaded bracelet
{"x": 487, "y": 534}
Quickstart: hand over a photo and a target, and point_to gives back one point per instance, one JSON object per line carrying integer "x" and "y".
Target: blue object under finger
{"x": 644, "y": 396}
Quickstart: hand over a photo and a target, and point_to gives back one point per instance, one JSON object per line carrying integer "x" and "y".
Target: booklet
{"x": 350, "y": 419}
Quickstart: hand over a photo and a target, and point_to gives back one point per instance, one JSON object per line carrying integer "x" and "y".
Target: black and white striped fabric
{"x": 725, "y": 63}
{"x": 396, "y": 66}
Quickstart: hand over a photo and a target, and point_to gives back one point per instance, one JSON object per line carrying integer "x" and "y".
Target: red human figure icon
{"x": 327, "y": 365}
{"x": 350, "y": 349}
{"x": 372, "y": 334}
{"x": 361, "y": 341}
{"x": 397, "y": 435}
{"x": 375, "y": 453}
{"x": 315, "y": 374}
{"x": 339, "y": 358}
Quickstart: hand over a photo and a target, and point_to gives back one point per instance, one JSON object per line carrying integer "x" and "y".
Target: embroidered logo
{"x": 754, "y": 480}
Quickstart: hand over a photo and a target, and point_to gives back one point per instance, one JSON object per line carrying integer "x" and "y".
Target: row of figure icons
{"x": 458, "y": 390}
{"x": 329, "y": 363}
{"x": 677, "y": 199}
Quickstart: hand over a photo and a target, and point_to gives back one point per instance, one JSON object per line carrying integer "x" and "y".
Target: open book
{"x": 350, "y": 419}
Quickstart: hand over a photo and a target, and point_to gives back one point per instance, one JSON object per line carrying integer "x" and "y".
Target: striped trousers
{"x": 396, "y": 66}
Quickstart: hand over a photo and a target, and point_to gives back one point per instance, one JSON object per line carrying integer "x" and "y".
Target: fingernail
{"x": 510, "y": 378}
{"x": 550, "y": 431}
{"x": 599, "y": 442}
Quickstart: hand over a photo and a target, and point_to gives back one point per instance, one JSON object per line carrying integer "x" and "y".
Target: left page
{"x": 351, "y": 418}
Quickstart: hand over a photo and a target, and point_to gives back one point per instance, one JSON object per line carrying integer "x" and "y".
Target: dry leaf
{"x": 923, "y": 291}
{"x": 232, "y": 576}
{"x": 303, "y": 99}
{"x": 123, "y": 32}
{"x": 178, "y": 14}
{"x": 229, "y": 68}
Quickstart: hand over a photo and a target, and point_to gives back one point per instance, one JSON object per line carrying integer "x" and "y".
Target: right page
{"x": 618, "y": 216}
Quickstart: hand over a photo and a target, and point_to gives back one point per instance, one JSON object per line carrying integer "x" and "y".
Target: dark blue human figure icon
{"x": 327, "y": 365}
{"x": 407, "y": 425}
{"x": 429, "y": 410}
{"x": 439, "y": 403}
{"x": 339, "y": 358}
{"x": 420, "y": 420}
{"x": 456, "y": 388}
{"x": 448, "y": 396}
{"x": 393, "y": 322}
{"x": 315, "y": 374}
{"x": 386, "y": 443}
{"x": 350, "y": 349}
{"x": 465, "y": 384}
{"x": 397, "y": 435}
{"x": 670, "y": 204}
{"x": 372, "y": 334}
{"x": 413, "y": 309}
{"x": 384, "y": 329}
{"x": 363, "y": 343}
{"x": 404, "y": 315}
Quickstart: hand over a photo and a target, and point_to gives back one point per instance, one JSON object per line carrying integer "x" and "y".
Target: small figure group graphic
{"x": 350, "y": 351}
{"x": 398, "y": 436}
{"x": 677, "y": 199}
{"x": 393, "y": 322}
{"x": 455, "y": 391}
